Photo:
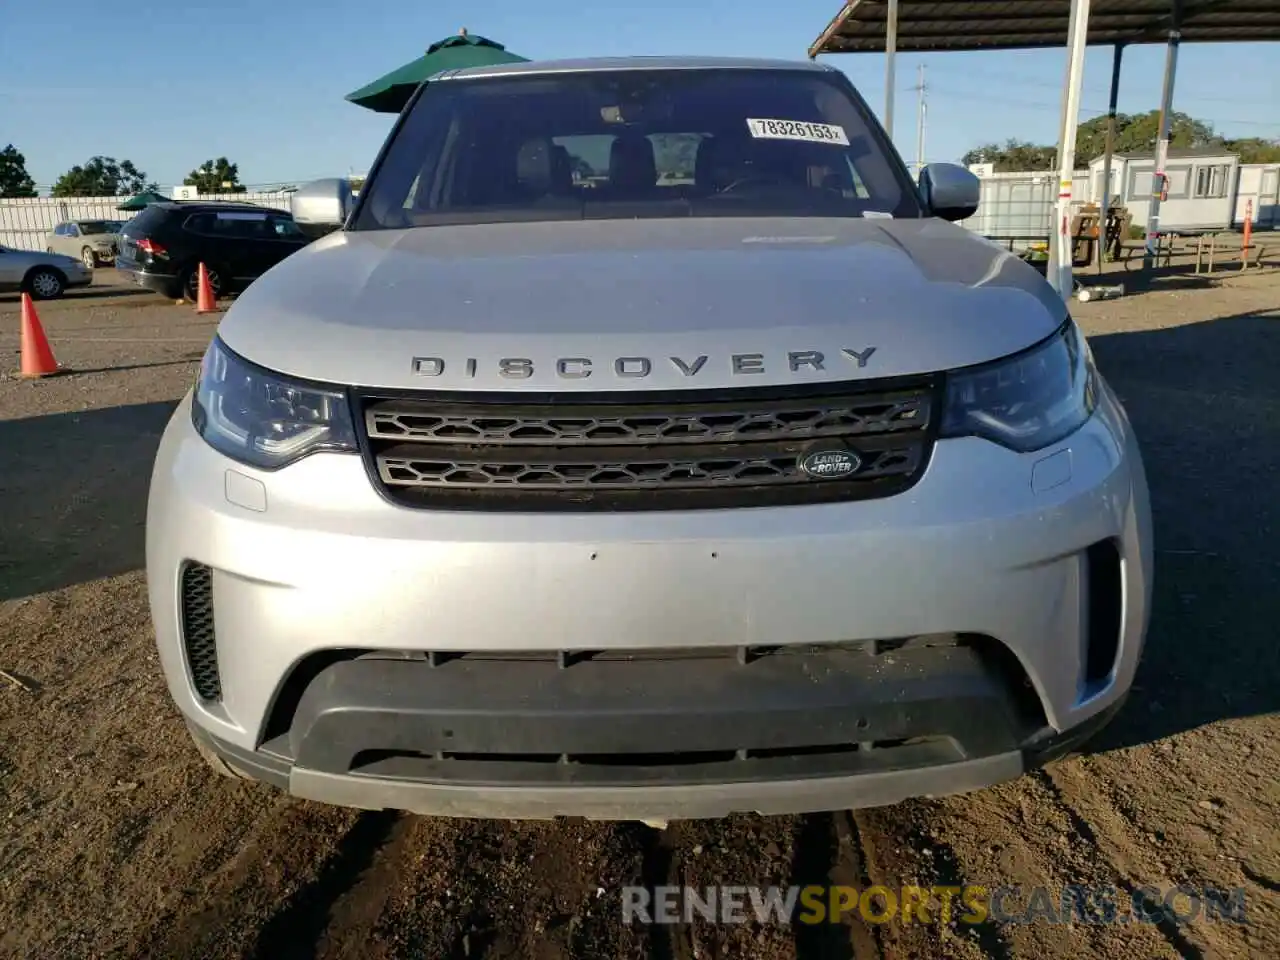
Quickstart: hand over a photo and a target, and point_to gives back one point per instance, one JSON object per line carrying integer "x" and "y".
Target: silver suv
{"x": 645, "y": 444}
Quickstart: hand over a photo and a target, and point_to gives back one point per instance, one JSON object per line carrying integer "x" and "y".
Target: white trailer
{"x": 1208, "y": 189}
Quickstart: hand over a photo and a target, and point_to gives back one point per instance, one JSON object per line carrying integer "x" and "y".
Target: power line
{"x": 970, "y": 96}
{"x": 1025, "y": 81}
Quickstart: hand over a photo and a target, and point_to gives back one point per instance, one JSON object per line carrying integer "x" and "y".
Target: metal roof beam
{"x": 839, "y": 20}
{"x": 908, "y": 16}
{"x": 860, "y": 26}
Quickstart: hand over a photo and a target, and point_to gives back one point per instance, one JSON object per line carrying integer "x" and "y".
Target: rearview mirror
{"x": 321, "y": 206}
{"x": 951, "y": 191}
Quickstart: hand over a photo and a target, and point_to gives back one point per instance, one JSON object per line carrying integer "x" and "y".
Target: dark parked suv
{"x": 163, "y": 246}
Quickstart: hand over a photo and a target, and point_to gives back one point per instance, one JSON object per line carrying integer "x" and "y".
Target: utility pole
{"x": 920, "y": 87}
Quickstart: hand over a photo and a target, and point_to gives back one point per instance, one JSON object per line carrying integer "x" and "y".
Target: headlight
{"x": 1027, "y": 401}
{"x": 262, "y": 418}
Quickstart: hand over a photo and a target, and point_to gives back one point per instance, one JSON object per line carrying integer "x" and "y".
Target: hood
{"x": 641, "y": 304}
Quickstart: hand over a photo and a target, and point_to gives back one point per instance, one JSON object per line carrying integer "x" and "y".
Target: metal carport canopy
{"x": 919, "y": 26}
{"x": 930, "y": 25}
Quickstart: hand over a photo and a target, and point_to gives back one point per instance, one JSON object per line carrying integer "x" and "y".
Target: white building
{"x": 1207, "y": 189}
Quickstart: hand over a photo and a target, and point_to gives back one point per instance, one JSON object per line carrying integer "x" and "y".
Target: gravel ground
{"x": 118, "y": 842}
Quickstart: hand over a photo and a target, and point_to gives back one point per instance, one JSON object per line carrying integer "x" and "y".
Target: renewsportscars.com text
{"x": 968, "y": 904}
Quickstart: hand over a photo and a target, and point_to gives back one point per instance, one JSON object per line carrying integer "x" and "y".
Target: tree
{"x": 216, "y": 176}
{"x": 1138, "y": 133}
{"x": 677, "y": 153}
{"x": 14, "y": 180}
{"x": 1255, "y": 149}
{"x": 1135, "y": 133}
{"x": 1013, "y": 155}
{"x": 102, "y": 177}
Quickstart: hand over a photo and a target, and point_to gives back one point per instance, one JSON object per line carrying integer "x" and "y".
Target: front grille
{"x": 646, "y": 453}
{"x": 199, "y": 641}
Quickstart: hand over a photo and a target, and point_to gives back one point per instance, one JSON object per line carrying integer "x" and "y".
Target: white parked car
{"x": 90, "y": 241}
{"x": 46, "y": 276}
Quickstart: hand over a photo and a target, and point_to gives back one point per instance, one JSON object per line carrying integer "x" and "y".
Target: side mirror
{"x": 321, "y": 206}
{"x": 951, "y": 191}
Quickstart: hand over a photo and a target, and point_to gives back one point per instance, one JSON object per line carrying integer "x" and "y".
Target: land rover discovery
{"x": 644, "y": 443}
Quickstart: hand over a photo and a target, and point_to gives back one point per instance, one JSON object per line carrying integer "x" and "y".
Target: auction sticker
{"x": 798, "y": 130}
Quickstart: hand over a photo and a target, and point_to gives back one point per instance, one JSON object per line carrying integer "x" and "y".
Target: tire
{"x": 216, "y": 763}
{"x": 191, "y": 280}
{"x": 88, "y": 258}
{"x": 45, "y": 283}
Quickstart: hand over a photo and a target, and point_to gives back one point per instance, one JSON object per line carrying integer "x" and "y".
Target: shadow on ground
{"x": 182, "y": 361}
{"x": 1204, "y": 399}
{"x": 81, "y": 293}
{"x": 73, "y": 495}
{"x": 1177, "y": 276}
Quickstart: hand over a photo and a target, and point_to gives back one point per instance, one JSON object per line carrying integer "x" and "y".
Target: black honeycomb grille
{"x": 740, "y": 467}
{"x": 197, "y": 631}
{"x": 735, "y": 423}
{"x": 646, "y": 452}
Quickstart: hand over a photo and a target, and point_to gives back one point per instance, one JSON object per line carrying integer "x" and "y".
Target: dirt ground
{"x": 118, "y": 842}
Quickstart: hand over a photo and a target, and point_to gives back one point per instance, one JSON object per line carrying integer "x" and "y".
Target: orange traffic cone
{"x": 37, "y": 356}
{"x": 205, "y": 300}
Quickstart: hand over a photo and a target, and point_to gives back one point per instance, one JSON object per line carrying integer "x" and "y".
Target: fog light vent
{"x": 1106, "y": 602}
{"x": 197, "y": 630}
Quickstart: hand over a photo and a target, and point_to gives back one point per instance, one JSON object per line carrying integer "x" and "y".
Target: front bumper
{"x": 653, "y": 801}
{"x": 377, "y": 656}
{"x": 78, "y": 276}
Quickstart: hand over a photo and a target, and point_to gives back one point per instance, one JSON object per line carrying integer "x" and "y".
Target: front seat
{"x": 561, "y": 171}
{"x": 534, "y": 165}
{"x": 633, "y": 170}
{"x": 723, "y": 160}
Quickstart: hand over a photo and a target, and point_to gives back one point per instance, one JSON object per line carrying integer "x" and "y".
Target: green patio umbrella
{"x": 390, "y": 93}
{"x": 141, "y": 201}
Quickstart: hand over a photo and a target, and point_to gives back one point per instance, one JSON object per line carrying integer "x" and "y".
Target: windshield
{"x": 90, "y": 227}
{"x": 636, "y": 143}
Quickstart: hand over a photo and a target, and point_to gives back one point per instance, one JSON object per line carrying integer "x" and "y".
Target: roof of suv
{"x": 216, "y": 205}
{"x": 593, "y": 64}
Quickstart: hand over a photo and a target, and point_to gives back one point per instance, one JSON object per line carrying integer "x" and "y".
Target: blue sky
{"x": 172, "y": 84}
